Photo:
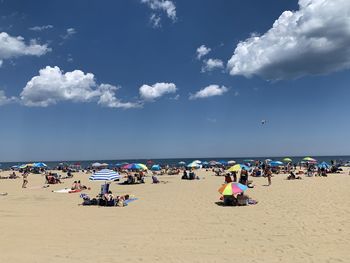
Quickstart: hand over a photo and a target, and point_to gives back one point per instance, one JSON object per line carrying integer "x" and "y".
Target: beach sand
{"x": 295, "y": 221}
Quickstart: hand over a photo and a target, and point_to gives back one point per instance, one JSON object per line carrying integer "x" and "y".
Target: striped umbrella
{"x": 105, "y": 175}
{"x": 232, "y": 188}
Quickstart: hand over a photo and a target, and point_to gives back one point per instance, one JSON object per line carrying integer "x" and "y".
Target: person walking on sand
{"x": 25, "y": 179}
{"x": 268, "y": 175}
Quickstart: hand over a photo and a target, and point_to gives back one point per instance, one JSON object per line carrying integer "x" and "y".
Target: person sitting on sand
{"x": 80, "y": 186}
{"x": 109, "y": 197}
{"x": 244, "y": 176}
{"x": 75, "y": 186}
{"x": 228, "y": 179}
{"x": 155, "y": 180}
{"x": 120, "y": 200}
{"x": 184, "y": 176}
{"x": 292, "y": 176}
{"x": 13, "y": 176}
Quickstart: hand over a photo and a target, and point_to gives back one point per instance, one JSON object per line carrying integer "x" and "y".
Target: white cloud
{"x": 166, "y": 6}
{"x": 11, "y": 47}
{"x": 52, "y": 86}
{"x": 41, "y": 28}
{"x": 209, "y": 91}
{"x": 4, "y": 99}
{"x": 155, "y": 21}
{"x": 313, "y": 40}
{"x": 157, "y": 90}
{"x": 108, "y": 98}
{"x": 211, "y": 64}
{"x": 69, "y": 33}
{"x": 202, "y": 51}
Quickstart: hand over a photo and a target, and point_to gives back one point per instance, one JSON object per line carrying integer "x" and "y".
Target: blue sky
{"x": 158, "y": 79}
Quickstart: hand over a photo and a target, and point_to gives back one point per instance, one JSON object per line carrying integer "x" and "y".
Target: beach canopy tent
{"x": 238, "y": 167}
{"x": 232, "y": 188}
{"x": 105, "y": 175}
{"x": 135, "y": 166}
{"x": 276, "y": 163}
{"x": 287, "y": 160}
{"x": 324, "y": 165}
{"x": 156, "y": 167}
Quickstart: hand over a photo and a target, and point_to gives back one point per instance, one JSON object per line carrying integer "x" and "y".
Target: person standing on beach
{"x": 268, "y": 174}
{"x": 25, "y": 180}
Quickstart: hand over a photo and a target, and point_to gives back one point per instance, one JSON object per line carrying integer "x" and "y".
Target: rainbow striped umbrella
{"x": 232, "y": 188}
{"x": 135, "y": 166}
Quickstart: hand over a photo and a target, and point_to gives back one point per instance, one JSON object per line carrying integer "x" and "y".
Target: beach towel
{"x": 66, "y": 191}
{"x": 130, "y": 200}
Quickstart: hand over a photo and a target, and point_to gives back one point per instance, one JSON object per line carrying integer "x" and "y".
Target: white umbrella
{"x": 105, "y": 175}
{"x": 231, "y": 162}
{"x": 96, "y": 165}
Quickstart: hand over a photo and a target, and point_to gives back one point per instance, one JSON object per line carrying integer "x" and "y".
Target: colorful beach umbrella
{"x": 105, "y": 175}
{"x": 135, "y": 166}
{"x": 232, "y": 188}
{"x": 287, "y": 160}
{"x": 238, "y": 167}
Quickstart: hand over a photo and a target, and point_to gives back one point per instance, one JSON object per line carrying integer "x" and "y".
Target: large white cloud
{"x": 211, "y": 64}
{"x": 11, "y": 47}
{"x": 52, "y": 86}
{"x": 4, "y": 99}
{"x": 157, "y": 90}
{"x": 209, "y": 91}
{"x": 202, "y": 51}
{"x": 313, "y": 40}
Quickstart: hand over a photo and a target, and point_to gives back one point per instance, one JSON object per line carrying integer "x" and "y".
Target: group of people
{"x": 189, "y": 175}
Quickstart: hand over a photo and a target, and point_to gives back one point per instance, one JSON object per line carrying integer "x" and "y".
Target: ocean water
{"x": 175, "y": 161}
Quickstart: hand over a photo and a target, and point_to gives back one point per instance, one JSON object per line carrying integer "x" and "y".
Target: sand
{"x": 295, "y": 221}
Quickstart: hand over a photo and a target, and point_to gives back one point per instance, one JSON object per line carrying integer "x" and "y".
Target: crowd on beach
{"x": 237, "y": 174}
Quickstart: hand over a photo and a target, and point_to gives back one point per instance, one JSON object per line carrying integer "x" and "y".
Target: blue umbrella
{"x": 105, "y": 175}
{"x": 324, "y": 165}
{"x": 39, "y": 165}
{"x": 276, "y": 163}
{"x": 156, "y": 167}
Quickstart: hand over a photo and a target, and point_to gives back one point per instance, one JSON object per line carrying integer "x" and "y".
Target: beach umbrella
{"x": 212, "y": 163}
{"x": 135, "y": 166}
{"x": 156, "y": 167}
{"x": 309, "y": 159}
{"x": 249, "y": 161}
{"x": 324, "y": 165}
{"x": 193, "y": 165}
{"x": 231, "y": 162}
{"x": 287, "y": 160}
{"x": 105, "y": 175}
{"x": 96, "y": 165}
{"x": 275, "y": 163}
{"x": 232, "y": 188}
{"x": 268, "y": 160}
{"x": 205, "y": 163}
{"x": 182, "y": 163}
{"x": 222, "y": 162}
{"x": 197, "y": 161}
{"x": 238, "y": 167}
{"x": 39, "y": 165}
